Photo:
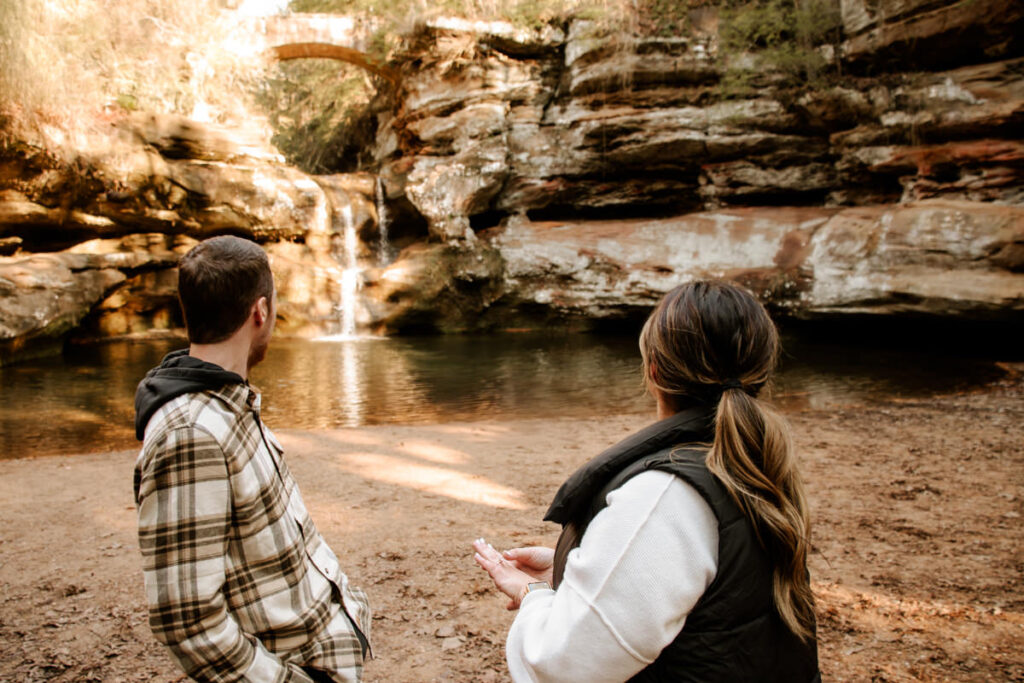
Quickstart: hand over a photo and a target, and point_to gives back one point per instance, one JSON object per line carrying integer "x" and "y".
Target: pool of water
{"x": 82, "y": 402}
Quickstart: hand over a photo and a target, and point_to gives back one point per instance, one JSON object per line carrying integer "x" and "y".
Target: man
{"x": 239, "y": 582}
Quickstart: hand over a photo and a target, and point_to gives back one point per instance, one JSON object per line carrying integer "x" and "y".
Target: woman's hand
{"x": 537, "y": 561}
{"x": 511, "y": 574}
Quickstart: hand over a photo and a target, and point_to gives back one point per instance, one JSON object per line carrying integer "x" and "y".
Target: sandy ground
{"x": 917, "y": 564}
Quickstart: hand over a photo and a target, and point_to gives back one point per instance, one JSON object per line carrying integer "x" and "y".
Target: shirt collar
{"x": 241, "y": 397}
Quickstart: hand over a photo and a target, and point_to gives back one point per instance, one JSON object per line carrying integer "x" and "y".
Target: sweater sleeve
{"x": 644, "y": 562}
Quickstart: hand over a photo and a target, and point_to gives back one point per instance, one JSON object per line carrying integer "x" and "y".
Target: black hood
{"x": 178, "y": 373}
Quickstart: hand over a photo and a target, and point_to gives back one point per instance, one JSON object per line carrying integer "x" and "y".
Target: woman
{"x": 683, "y": 553}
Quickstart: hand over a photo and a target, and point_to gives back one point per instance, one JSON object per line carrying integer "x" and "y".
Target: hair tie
{"x": 731, "y": 384}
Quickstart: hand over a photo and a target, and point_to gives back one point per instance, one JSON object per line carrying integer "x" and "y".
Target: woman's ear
{"x": 652, "y": 372}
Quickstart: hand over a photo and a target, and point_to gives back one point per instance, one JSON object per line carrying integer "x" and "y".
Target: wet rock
{"x": 435, "y": 287}
{"x": 347, "y": 196}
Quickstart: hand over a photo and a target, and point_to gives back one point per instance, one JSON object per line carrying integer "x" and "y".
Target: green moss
{"x": 127, "y": 101}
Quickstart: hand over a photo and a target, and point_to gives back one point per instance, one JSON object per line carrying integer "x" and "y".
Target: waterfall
{"x": 344, "y": 250}
{"x": 383, "y": 248}
{"x": 349, "y": 275}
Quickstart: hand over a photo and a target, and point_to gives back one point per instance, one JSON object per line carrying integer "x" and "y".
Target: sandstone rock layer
{"x": 560, "y": 176}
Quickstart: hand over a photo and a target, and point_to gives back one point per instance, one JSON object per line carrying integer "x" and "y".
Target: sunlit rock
{"x": 448, "y": 190}
{"x": 936, "y": 257}
{"x": 177, "y": 137}
{"x": 940, "y": 258}
{"x": 610, "y": 269}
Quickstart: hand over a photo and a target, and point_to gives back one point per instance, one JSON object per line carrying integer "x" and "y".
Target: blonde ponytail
{"x": 752, "y": 455}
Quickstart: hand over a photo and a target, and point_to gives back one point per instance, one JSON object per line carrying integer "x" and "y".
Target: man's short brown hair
{"x": 218, "y": 282}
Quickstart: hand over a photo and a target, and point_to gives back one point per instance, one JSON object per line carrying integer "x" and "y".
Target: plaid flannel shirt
{"x": 240, "y": 584}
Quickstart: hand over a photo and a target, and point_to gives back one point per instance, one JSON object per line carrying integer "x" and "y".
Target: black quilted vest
{"x": 733, "y": 633}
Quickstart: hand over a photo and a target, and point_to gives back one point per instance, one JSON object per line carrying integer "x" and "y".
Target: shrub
{"x": 789, "y": 37}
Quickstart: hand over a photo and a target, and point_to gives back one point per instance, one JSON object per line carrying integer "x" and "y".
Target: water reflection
{"x": 83, "y": 401}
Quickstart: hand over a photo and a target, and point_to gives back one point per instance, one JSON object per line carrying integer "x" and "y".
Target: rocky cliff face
{"x": 563, "y": 176}
{"x": 601, "y": 173}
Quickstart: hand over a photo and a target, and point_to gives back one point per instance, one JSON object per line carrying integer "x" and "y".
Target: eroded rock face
{"x": 595, "y": 269}
{"x": 574, "y": 125}
{"x": 44, "y": 297}
{"x": 942, "y": 258}
{"x": 146, "y": 184}
{"x": 438, "y": 287}
{"x": 537, "y": 148}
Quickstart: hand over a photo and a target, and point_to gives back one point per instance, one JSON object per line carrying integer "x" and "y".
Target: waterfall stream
{"x": 383, "y": 248}
{"x": 346, "y": 255}
{"x": 350, "y": 274}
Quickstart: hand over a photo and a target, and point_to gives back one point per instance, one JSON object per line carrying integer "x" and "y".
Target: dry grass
{"x": 67, "y": 67}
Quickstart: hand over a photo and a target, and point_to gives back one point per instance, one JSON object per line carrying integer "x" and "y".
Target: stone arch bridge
{"x": 321, "y": 36}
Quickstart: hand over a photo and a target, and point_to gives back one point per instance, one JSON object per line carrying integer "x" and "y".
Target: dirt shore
{"x": 918, "y": 560}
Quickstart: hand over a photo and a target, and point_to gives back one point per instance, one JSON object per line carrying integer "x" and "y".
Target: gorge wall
{"x": 559, "y": 176}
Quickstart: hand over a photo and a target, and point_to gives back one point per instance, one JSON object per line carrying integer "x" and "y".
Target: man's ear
{"x": 261, "y": 309}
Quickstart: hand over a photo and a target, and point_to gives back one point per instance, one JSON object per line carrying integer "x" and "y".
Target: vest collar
{"x": 693, "y": 425}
